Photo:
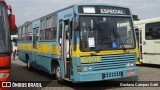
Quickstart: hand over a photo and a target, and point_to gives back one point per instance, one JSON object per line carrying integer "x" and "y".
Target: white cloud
{"x": 26, "y": 10}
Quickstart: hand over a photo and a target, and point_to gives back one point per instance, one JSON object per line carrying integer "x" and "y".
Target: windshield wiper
{"x": 116, "y": 35}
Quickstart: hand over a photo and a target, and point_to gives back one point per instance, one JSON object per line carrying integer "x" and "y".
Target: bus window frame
{"x": 4, "y": 16}
{"x": 93, "y": 15}
{"x": 48, "y": 23}
{"x": 152, "y": 32}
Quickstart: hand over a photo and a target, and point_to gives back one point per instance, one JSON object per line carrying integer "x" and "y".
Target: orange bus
{"x": 7, "y": 23}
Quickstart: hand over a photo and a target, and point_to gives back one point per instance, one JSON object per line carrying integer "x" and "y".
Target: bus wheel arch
{"x": 54, "y": 64}
{"x": 29, "y": 67}
{"x": 56, "y": 70}
{"x": 27, "y": 57}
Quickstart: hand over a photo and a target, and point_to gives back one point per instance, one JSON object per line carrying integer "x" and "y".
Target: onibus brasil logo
{"x": 20, "y": 84}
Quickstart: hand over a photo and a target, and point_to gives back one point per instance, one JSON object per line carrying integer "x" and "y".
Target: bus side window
{"x": 152, "y": 31}
{"x": 75, "y": 27}
{"x": 60, "y": 32}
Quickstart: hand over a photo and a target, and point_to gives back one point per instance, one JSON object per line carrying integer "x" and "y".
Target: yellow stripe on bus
{"x": 41, "y": 48}
{"x": 78, "y": 53}
{"x": 54, "y": 49}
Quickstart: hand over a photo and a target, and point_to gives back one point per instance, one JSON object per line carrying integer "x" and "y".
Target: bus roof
{"x": 90, "y": 4}
{"x": 102, "y": 4}
{"x": 144, "y": 21}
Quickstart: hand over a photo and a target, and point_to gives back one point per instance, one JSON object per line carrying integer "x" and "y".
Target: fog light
{"x": 130, "y": 64}
{"x": 87, "y": 68}
{"x": 4, "y": 75}
{"x": 79, "y": 69}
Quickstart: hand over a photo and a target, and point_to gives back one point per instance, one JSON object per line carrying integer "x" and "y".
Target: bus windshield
{"x": 4, "y": 30}
{"x": 106, "y": 33}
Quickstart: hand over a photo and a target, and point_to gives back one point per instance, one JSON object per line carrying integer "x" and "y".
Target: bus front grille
{"x": 114, "y": 61}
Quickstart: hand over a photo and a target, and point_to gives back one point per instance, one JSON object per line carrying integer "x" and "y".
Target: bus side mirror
{"x": 76, "y": 25}
{"x": 12, "y": 24}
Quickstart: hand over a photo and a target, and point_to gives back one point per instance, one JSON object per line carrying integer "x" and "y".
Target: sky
{"x": 28, "y": 10}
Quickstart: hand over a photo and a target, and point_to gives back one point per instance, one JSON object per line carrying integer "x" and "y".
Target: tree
{"x": 135, "y": 17}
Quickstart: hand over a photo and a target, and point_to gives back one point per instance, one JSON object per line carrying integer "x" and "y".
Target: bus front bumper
{"x": 107, "y": 74}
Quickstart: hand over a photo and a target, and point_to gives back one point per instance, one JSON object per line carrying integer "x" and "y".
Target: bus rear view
{"x": 7, "y": 23}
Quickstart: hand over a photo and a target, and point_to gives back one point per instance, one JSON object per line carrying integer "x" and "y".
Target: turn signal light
{"x": 79, "y": 69}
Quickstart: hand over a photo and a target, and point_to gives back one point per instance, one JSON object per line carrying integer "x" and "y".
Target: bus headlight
{"x": 4, "y": 75}
{"x": 87, "y": 68}
{"x": 129, "y": 64}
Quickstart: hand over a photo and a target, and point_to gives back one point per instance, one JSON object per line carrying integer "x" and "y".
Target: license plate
{"x": 131, "y": 72}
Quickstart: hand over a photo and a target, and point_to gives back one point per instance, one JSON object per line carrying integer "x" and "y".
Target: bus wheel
{"x": 29, "y": 65}
{"x": 59, "y": 74}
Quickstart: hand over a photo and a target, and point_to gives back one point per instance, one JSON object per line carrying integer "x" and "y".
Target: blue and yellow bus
{"x": 81, "y": 43}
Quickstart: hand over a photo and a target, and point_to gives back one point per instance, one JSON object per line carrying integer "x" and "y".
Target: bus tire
{"x": 29, "y": 67}
{"x": 58, "y": 74}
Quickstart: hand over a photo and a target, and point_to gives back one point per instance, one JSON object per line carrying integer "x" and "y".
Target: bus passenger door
{"x": 65, "y": 46}
{"x": 35, "y": 38}
{"x": 35, "y": 45}
{"x": 139, "y": 40}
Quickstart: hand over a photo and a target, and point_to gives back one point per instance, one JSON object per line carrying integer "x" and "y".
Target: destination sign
{"x": 104, "y": 10}
{"x": 112, "y": 11}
